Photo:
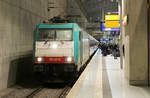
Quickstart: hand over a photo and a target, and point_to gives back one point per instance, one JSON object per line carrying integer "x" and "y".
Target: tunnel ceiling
{"x": 97, "y": 8}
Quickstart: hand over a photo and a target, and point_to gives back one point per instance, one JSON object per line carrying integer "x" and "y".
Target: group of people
{"x": 109, "y": 48}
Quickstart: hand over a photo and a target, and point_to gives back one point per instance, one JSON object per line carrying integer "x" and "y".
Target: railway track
{"x": 64, "y": 92}
{"x": 32, "y": 94}
{"x": 40, "y": 92}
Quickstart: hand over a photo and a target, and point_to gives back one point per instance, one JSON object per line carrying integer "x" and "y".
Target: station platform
{"x": 103, "y": 78}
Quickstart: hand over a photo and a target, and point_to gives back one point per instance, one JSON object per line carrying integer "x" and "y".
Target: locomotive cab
{"x": 54, "y": 52}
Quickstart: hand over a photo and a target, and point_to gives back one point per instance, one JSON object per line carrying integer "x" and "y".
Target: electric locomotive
{"x": 60, "y": 50}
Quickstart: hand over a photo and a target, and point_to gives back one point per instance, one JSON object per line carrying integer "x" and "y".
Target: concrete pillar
{"x": 135, "y": 41}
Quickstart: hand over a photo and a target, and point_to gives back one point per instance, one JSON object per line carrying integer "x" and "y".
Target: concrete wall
{"x": 60, "y": 8}
{"x": 74, "y": 10}
{"x": 135, "y": 40}
{"x": 18, "y": 19}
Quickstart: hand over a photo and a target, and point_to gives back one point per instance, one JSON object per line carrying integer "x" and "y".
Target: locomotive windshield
{"x": 50, "y": 34}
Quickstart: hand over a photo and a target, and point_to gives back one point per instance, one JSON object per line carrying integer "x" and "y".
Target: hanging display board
{"x": 104, "y": 29}
{"x": 112, "y": 21}
{"x": 112, "y": 24}
{"x": 111, "y": 17}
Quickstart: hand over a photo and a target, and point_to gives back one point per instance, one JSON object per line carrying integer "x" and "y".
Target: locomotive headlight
{"x": 39, "y": 59}
{"x": 54, "y": 46}
{"x": 69, "y": 59}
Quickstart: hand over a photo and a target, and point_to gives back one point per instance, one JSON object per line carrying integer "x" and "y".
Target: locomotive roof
{"x": 57, "y": 25}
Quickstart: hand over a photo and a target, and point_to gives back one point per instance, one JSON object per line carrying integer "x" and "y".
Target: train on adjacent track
{"x": 60, "y": 50}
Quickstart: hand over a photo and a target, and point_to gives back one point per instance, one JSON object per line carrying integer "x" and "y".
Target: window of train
{"x": 80, "y": 35}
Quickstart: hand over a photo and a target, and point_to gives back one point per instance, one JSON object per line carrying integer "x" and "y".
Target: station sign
{"x": 125, "y": 20}
{"x": 104, "y": 29}
{"x": 111, "y": 17}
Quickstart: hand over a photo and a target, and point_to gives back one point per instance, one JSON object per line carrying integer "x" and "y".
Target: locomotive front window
{"x": 45, "y": 34}
{"x": 51, "y": 34}
{"x": 63, "y": 34}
